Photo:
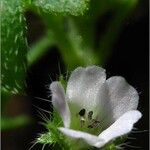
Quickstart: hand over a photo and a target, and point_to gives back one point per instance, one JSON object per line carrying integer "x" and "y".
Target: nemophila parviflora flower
{"x": 93, "y": 109}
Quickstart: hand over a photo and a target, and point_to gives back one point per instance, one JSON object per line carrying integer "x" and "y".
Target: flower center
{"x": 87, "y": 121}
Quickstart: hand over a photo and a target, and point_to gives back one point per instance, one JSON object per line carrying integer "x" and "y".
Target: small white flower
{"x": 94, "y": 109}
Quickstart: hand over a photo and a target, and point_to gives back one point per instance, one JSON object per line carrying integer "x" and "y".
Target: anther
{"x": 90, "y": 114}
{"x": 82, "y": 112}
{"x": 90, "y": 126}
{"x": 94, "y": 124}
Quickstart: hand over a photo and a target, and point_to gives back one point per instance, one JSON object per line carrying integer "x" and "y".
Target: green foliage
{"x": 71, "y": 7}
{"x": 40, "y": 48}
{"x": 14, "y": 47}
{"x": 7, "y": 123}
{"x": 121, "y": 10}
{"x": 72, "y": 47}
{"x": 13, "y": 58}
{"x": 46, "y": 138}
{"x": 58, "y": 141}
{"x": 71, "y": 27}
{"x": 75, "y": 35}
{"x": 53, "y": 137}
{"x": 113, "y": 145}
{"x": 63, "y": 81}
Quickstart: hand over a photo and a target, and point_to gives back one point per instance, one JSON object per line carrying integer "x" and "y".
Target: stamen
{"x": 88, "y": 119}
{"x": 94, "y": 124}
{"x": 82, "y": 117}
{"x": 82, "y": 121}
{"x": 82, "y": 112}
{"x": 90, "y": 114}
{"x": 90, "y": 126}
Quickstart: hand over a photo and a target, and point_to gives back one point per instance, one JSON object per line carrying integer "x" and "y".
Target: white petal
{"x": 121, "y": 127}
{"x": 74, "y": 134}
{"x": 59, "y": 102}
{"x": 123, "y": 96}
{"x": 84, "y": 85}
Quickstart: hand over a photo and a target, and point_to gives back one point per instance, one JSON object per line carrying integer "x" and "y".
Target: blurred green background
{"x": 43, "y": 39}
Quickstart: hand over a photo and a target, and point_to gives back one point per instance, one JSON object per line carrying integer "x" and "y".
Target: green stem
{"x": 114, "y": 28}
{"x": 39, "y": 49}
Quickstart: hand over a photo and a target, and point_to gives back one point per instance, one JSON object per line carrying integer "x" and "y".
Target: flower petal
{"x": 74, "y": 134}
{"x": 121, "y": 127}
{"x": 123, "y": 96}
{"x": 83, "y": 86}
{"x": 59, "y": 102}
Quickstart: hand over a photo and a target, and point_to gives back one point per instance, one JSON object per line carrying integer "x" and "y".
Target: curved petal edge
{"x": 83, "y": 86}
{"x": 120, "y": 127}
{"x": 123, "y": 97}
{"x": 59, "y": 102}
{"x": 74, "y": 134}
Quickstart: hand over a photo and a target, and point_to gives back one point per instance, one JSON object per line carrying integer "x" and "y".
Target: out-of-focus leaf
{"x": 8, "y": 123}
{"x": 40, "y": 48}
{"x": 14, "y": 47}
{"x": 79, "y": 50}
{"x": 13, "y": 58}
{"x": 122, "y": 11}
{"x": 71, "y": 7}
{"x": 71, "y": 45}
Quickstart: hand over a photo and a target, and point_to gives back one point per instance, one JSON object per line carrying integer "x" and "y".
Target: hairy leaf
{"x": 73, "y": 7}
{"x": 14, "y": 47}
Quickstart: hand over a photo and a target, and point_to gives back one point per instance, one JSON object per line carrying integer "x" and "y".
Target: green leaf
{"x": 71, "y": 7}
{"x": 8, "y": 123}
{"x": 40, "y": 48}
{"x": 14, "y": 46}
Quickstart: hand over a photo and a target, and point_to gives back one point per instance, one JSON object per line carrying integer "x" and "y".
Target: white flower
{"x": 94, "y": 109}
